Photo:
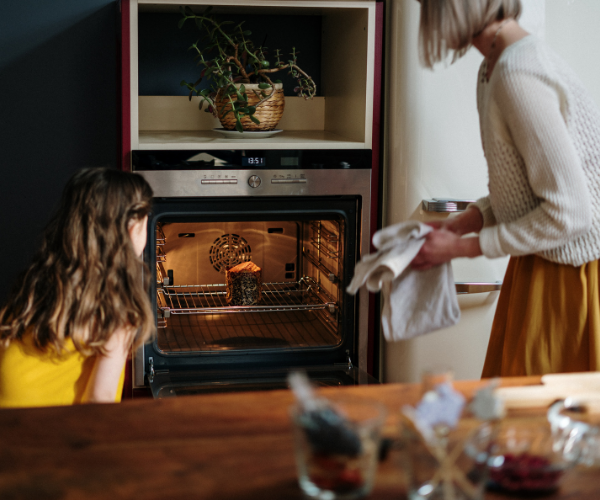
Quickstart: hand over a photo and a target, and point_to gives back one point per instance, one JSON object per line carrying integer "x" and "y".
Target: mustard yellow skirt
{"x": 547, "y": 319}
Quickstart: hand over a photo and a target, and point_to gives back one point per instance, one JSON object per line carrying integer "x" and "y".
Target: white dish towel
{"x": 414, "y": 302}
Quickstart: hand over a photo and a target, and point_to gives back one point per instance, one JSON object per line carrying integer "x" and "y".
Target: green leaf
{"x": 264, "y": 94}
{"x": 254, "y": 119}
{"x": 278, "y": 81}
{"x": 242, "y": 89}
{"x": 244, "y": 110}
{"x": 247, "y": 33}
{"x": 181, "y": 22}
{"x": 251, "y": 110}
{"x": 238, "y": 127}
{"x": 264, "y": 85}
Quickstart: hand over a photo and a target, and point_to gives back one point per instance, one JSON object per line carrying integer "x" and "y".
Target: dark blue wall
{"x": 58, "y": 111}
{"x": 165, "y": 58}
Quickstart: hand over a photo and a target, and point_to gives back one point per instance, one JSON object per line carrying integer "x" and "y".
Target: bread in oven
{"x": 244, "y": 284}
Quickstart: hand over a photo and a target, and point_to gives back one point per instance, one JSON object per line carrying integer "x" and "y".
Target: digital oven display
{"x": 253, "y": 161}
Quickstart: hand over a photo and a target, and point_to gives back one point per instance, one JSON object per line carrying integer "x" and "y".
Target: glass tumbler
{"x": 450, "y": 465}
{"x": 338, "y": 461}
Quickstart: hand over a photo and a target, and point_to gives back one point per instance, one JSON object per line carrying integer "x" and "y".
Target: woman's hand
{"x": 439, "y": 247}
{"x": 442, "y": 245}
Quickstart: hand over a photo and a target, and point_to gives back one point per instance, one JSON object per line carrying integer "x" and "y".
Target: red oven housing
{"x": 363, "y": 337}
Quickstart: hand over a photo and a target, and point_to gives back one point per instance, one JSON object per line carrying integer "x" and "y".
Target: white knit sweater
{"x": 541, "y": 137}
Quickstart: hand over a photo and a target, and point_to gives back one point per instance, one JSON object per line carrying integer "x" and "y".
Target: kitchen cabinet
{"x": 343, "y": 115}
{"x": 341, "y": 39}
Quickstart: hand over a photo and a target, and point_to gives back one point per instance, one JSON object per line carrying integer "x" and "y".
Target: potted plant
{"x": 241, "y": 93}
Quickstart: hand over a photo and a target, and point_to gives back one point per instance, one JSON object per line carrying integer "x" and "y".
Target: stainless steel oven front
{"x": 304, "y": 224}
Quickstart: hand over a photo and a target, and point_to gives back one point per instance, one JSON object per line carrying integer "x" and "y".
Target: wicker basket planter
{"x": 269, "y": 112}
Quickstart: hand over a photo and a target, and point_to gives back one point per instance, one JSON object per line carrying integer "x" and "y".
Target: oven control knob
{"x": 254, "y": 181}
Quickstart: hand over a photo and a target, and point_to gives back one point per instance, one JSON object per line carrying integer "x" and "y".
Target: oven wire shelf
{"x": 160, "y": 255}
{"x": 324, "y": 241}
{"x": 302, "y": 295}
{"x": 160, "y": 243}
{"x": 160, "y": 236}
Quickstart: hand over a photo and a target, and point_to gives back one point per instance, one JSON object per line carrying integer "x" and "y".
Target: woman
{"x": 540, "y": 131}
{"x": 67, "y": 329}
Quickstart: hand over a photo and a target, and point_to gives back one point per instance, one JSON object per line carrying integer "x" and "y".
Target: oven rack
{"x": 160, "y": 236}
{"x": 302, "y": 295}
{"x": 326, "y": 242}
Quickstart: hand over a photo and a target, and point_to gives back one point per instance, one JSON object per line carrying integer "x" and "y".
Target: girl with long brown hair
{"x": 67, "y": 328}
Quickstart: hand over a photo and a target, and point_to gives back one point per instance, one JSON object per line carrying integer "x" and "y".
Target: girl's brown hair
{"x": 86, "y": 280}
{"x": 452, "y": 24}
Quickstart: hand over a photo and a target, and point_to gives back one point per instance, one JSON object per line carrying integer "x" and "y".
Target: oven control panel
{"x": 219, "y": 160}
{"x": 233, "y": 173}
{"x": 218, "y": 181}
{"x": 211, "y": 183}
{"x": 254, "y": 181}
{"x": 289, "y": 179}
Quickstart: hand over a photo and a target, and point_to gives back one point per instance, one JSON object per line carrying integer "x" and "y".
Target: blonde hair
{"x": 452, "y": 24}
{"x": 86, "y": 281}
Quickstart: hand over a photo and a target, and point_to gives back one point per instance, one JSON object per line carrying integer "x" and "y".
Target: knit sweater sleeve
{"x": 485, "y": 207}
{"x": 530, "y": 108}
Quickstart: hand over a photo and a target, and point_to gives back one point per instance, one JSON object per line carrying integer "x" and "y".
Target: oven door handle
{"x": 463, "y": 288}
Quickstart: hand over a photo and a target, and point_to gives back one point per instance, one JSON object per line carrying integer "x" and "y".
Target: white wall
{"x": 434, "y": 150}
{"x": 573, "y": 30}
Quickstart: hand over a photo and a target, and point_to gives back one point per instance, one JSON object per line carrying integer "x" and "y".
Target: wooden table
{"x": 225, "y": 446}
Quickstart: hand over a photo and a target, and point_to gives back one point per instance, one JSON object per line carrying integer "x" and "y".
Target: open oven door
{"x": 168, "y": 384}
{"x": 306, "y": 249}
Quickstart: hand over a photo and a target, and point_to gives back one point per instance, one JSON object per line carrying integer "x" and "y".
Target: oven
{"x": 303, "y": 218}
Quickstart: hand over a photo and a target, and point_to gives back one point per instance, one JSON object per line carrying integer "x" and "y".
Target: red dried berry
{"x": 328, "y": 463}
{"x": 525, "y": 472}
{"x": 332, "y": 473}
{"x": 349, "y": 480}
{"x": 323, "y": 482}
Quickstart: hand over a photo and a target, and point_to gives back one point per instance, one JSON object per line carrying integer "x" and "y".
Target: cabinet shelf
{"x": 341, "y": 117}
{"x": 209, "y": 139}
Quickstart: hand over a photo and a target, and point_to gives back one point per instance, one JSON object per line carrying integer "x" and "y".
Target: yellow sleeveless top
{"x": 29, "y": 377}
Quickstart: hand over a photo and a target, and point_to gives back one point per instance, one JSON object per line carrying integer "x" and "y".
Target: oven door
{"x": 306, "y": 249}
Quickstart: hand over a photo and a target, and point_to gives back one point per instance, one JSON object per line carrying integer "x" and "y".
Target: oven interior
{"x": 306, "y": 248}
{"x": 302, "y": 268}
